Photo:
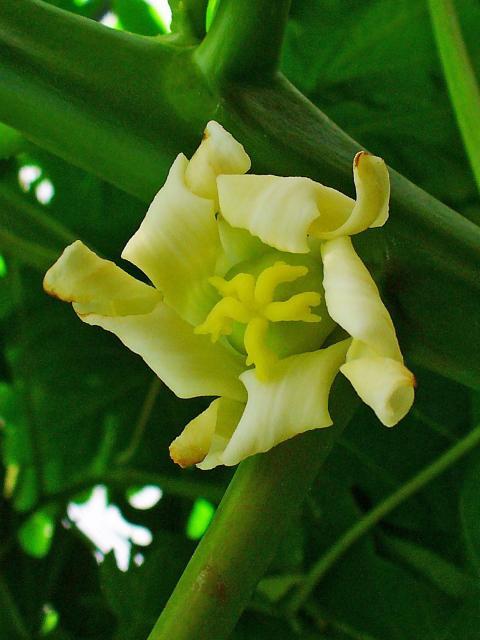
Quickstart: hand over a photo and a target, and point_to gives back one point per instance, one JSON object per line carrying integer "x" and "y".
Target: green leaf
{"x": 137, "y": 596}
{"x": 274, "y": 588}
{"x": 36, "y": 534}
{"x": 11, "y": 142}
{"x": 199, "y": 519}
{"x": 374, "y": 60}
{"x": 446, "y": 576}
{"x": 465, "y": 623}
{"x": 470, "y": 512}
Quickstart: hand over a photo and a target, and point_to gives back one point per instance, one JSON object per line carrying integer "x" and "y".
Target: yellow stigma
{"x": 249, "y": 300}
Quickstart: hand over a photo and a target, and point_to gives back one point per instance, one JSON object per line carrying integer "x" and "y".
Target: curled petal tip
{"x": 359, "y": 156}
{"x": 184, "y": 457}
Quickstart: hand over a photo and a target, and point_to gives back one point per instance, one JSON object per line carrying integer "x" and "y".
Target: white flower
{"x": 250, "y": 274}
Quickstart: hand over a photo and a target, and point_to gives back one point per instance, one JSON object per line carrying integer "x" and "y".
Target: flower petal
{"x": 283, "y": 212}
{"x": 208, "y": 433}
{"x": 386, "y": 385}
{"x": 353, "y": 300}
{"x": 277, "y": 210}
{"x": 294, "y": 401}
{"x": 218, "y": 153}
{"x": 189, "y": 364}
{"x": 374, "y": 361}
{"x": 97, "y": 285}
{"x": 104, "y": 295}
{"x": 370, "y": 209}
{"x": 177, "y": 246}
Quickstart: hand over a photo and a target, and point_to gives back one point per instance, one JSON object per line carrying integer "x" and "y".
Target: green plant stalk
{"x": 26, "y": 252}
{"x": 188, "y": 18}
{"x": 127, "y": 127}
{"x": 239, "y": 545}
{"x": 460, "y": 77}
{"x": 13, "y": 202}
{"x": 244, "y": 41}
{"x": 373, "y": 517}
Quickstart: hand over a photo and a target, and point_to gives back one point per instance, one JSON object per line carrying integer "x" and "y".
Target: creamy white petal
{"x": 177, "y": 246}
{"x": 277, "y": 210}
{"x": 104, "y": 295}
{"x": 293, "y": 401}
{"x": 385, "y": 385}
{"x": 97, "y": 285}
{"x": 206, "y": 436}
{"x": 284, "y": 212}
{"x": 374, "y": 361}
{"x": 353, "y": 299}
{"x": 189, "y": 364}
{"x": 370, "y": 208}
{"x": 217, "y": 154}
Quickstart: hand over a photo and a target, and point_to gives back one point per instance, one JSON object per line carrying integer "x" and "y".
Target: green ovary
{"x": 248, "y": 300}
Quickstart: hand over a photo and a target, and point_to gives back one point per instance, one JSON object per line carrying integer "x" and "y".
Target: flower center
{"x": 250, "y": 301}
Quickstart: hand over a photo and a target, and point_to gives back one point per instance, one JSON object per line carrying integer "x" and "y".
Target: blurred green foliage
{"x": 71, "y": 397}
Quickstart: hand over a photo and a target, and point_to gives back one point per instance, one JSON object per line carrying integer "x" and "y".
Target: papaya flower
{"x": 253, "y": 279}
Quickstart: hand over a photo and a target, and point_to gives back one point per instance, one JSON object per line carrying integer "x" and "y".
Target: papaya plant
{"x": 331, "y": 526}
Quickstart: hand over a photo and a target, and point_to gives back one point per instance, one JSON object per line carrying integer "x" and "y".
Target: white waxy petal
{"x": 277, "y": 210}
{"x": 284, "y": 212}
{"x": 218, "y": 153}
{"x": 206, "y": 436}
{"x": 385, "y": 385}
{"x": 370, "y": 209}
{"x": 177, "y": 245}
{"x": 104, "y": 295}
{"x": 97, "y": 285}
{"x": 374, "y": 361}
{"x": 295, "y": 400}
{"x": 353, "y": 299}
{"x": 189, "y": 364}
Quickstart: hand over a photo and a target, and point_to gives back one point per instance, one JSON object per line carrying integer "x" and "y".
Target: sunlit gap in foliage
{"x": 110, "y": 19}
{"x": 200, "y": 517}
{"x": 105, "y": 526}
{"x": 145, "y": 497}
{"x": 160, "y": 13}
{"x": 3, "y": 267}
{"x": 31, "y": 176}
{"x": 162, "y": 9}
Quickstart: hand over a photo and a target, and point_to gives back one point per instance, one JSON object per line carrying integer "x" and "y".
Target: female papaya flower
{"x": 250, "y": 276}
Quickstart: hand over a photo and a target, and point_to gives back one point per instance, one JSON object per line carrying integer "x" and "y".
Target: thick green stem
{"x": 189, "y": 17}
{"x": 95, "y": 110}
{"x": 374, "y": 516}
{"x": 460, "y": 76}
{"x": 244, "y": 41}
{"x": 263, "y": 496}
{"x": 127, "y": 127}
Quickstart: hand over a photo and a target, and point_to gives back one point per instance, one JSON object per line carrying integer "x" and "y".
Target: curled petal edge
{"x": 285, "y": 211}
{"x": 104, "y": 295}
{"x": 276, "y": 410}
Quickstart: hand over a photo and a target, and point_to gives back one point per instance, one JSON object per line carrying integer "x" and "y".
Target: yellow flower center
{"x": 249, "y": 300}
